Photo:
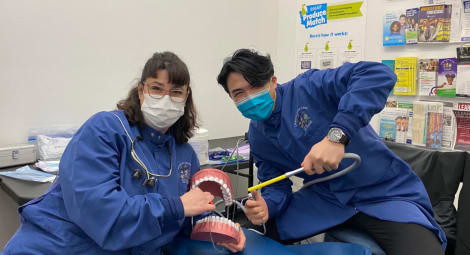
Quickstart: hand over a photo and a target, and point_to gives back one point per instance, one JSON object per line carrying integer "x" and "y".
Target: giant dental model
{"x": 215, "y": 228}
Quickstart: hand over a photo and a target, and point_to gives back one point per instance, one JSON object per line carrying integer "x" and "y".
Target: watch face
{"x": 335, "y": 135}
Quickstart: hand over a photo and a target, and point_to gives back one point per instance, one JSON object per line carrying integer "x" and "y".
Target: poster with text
{"x": 329, "y": 33}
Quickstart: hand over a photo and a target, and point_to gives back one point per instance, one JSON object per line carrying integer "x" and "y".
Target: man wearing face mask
{"x": 311, "y": 121}
{"x": 123, "y": 181}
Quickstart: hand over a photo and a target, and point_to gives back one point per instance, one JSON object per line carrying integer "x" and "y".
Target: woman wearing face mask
{"x": 123, "y": 182}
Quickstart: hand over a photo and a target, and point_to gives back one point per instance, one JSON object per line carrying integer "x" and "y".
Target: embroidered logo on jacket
{"x": 185, "y": 170}
{"x": 302, "y": 119}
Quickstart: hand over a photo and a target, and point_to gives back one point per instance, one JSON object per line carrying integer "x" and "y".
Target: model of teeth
{"x": 215, "y": 228}
{"x": 216, "y": 182}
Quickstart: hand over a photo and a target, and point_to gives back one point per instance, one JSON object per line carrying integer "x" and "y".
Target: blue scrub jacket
{"x": 383, "y": 186}
{"x": 96, "y": 207}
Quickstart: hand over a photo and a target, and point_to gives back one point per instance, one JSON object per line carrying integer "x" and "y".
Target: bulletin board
{"x": 329, "y": 33}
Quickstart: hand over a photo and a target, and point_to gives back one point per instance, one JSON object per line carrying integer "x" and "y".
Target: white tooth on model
{"x": 227, "y": 191}
{"x": 225, "y": 186}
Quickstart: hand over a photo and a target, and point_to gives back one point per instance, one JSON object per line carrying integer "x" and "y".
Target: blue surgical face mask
{"x": 257, "y": 106}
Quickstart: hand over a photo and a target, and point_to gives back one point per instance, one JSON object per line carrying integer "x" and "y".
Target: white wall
{"x": 62, "y": 61}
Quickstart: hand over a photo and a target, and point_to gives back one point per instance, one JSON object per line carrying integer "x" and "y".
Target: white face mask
{"x": 161, "y": 113}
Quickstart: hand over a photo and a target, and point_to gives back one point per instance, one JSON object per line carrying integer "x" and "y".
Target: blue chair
{"x": 258, "y": 244}
{"x": 349, "y": 235}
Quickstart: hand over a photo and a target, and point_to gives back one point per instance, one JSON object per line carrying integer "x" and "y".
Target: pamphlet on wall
{"x": 434, "y": 23}
{"x": 462, "y": 117}
{"x": 456, "y": 22}
{"x": 351, "y": 53}
{"x": 409, "y": 126}
{"x": 393, "y": 124}
{"x": 411, "y": 27}
{"x": 405, "y": 69}
{"x": 427, "y": 76}
{"x": 419, "y": 121}
{"x": 447, "y": 77}
{"x": 390, "y": 63}
{"x": 427, "y": 128}
{"x": 306, "y": 58}
{"x": 465, "y": 21}
{"x": 434, "y": 124}
{"x": 463, "y": 69}
{"x": 394, "y": 28}
{"x": 448, "y": 128}
{"x": 391, "y": 103}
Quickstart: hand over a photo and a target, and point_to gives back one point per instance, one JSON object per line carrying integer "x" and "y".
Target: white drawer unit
{"x": 17, "y": 155}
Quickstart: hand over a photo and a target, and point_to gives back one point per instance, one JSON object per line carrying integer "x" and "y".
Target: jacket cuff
{"x": 349, "y": 123}
{"x": 174, "y": 209}
{"x": 271, "y": 208}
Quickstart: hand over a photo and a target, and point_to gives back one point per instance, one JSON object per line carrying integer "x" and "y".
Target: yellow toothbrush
{"x": 357, "y": 161}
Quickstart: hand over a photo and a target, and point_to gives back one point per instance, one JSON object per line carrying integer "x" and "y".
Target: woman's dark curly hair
{"x": 178, "y": 75}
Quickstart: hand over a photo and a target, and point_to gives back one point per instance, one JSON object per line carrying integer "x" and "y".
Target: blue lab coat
{"x": 96, "y": 207}
{"x": 383, "y": 186}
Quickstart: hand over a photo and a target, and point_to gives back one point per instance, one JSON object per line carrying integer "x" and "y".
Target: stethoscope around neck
{"x": 150, "y": 178}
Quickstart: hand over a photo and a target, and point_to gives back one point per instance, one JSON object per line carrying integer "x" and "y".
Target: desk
{"x": 24, "y": 191}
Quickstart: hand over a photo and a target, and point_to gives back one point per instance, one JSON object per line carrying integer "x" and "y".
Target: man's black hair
{"x": 255, "y": 68}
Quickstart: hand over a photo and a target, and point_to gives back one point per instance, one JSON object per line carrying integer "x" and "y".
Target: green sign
{"x": 343, "y": 11}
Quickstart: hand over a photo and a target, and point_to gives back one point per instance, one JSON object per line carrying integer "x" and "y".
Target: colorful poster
{"x": 411, "y": 27}
{"x": 405, "y": 69}
{"x": 388, "y": 129}
{"x": 455, "y": 20}
{"x": 333, "y": 30}
{"x": 394, "y": 28}
{"x": 427, "y": 76}
{"x": 434, "y": 126}
{"x": 434, "y": 23}
{"x": 447, "y": 77}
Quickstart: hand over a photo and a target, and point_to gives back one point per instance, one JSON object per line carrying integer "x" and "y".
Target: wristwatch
{"x": 337, "y": 135}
